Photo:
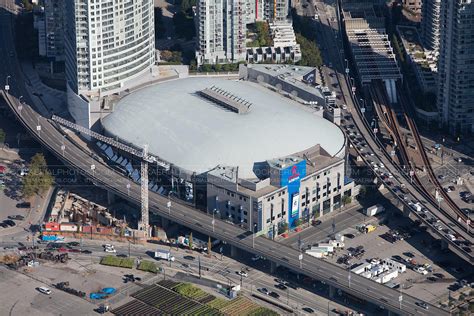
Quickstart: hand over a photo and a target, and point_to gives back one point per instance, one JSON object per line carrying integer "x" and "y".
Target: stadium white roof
{"x": 196, "y": 134}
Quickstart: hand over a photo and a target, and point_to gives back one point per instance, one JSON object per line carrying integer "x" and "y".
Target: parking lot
{"x": 11, "y": 203}
{"x": 410, "y": 244}
{"x": 20, "y": 297}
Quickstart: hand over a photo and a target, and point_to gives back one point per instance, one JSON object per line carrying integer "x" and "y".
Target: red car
{"x": 3, "y": 169}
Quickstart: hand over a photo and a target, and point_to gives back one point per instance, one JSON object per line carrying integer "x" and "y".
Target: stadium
{"x": 195, "y": 134}
{"x": 203, "y": 125}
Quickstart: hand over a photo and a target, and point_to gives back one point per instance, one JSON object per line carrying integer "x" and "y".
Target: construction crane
{"x": 142, "y": 154}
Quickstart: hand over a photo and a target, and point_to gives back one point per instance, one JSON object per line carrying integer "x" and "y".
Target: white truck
{"x": 164, "y": 255}
{"x": 374, "y": 210}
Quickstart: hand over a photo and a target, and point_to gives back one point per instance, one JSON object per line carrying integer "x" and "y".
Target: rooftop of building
{"x": 197, "y": 135}
{"x": 292, "y": 74}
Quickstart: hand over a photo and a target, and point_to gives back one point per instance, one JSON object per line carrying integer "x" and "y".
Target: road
{"x": 106, "y": 177}
{"x": 215, "y": 268}
{"x": 354, "y": 125}
{"x": 347, "y": 218}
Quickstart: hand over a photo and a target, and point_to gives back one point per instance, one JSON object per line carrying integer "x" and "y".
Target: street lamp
{"x": 38, "y": 127}
{"x": 63, "y": 146}
{"x": 214, "y": 211}
{"x": 253, "y": 235}
{"x": 7, "y": 86}
{"x": 349, "y": 278}
{"x": 169, "y": 204}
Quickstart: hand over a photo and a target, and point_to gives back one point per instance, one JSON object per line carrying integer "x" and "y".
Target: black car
{"x": 350, "y": 236}
{"x": 189, "y": 258}
{"x": 316, "y": 222}
{"x": 17, "y": 217}
{"x": 23, "y": 205}
{"x": 9, "y": 222}
{"x": 308, "y": 310}
{"x": 280, "y": 286}
{"x": 86, "y": 251}
{"x": 422, "y": 305}
{"x": 409, "y": 254}
{"x": 274, "y": 294}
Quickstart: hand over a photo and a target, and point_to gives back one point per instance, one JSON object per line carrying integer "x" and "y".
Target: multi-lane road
{"x": 75, "y": 157}
{"x": 374, "y": 154}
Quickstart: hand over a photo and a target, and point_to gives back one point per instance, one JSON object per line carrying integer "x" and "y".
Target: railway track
{"x": 421, "y": 149}
{"x": 390, "y": 119}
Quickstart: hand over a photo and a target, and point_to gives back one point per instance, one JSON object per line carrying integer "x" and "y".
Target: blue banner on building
{"x": 291, "y": 177}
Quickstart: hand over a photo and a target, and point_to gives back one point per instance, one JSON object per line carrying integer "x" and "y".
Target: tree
{"x": 362, "y": 192}
{"x": 39, "y": 179}
{"x": 298, "y": 222}
{"x": 2, "y": 136}
{"x": 191, "y": 241}
{"x": 206, "y": 68}
{"x": 311, "y": 55}
{"x": 218, "y": 67}
{"x": 283, "y": 227}
{"x": 346, "y": 199}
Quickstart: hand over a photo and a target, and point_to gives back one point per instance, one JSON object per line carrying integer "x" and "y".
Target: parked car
{"x": 189, "y": 258}
{"x": 242, "y": 273}
{"x": 274, "y": 295}
{"x": 44, "y": 290}
{"x": 280, "y": 286}
{"x": 316, "y": 222}
{"x": 17, "y": 217}
{"x": 308, "y": 310}
{"x": 264, "y": 290}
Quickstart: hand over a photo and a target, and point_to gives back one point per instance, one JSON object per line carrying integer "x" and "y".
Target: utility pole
{"x": 199, "y": 264}
{"x": 144, "y": 192}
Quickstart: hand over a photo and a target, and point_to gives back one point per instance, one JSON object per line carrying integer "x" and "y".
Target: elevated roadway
{"x": 75, "y": 157}
{"x": 400, "y": 176}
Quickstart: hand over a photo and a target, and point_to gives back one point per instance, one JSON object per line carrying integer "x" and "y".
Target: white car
{"x": 110, "y": 250}
{"x": 451, "y": 237}
{"x": 242, "y": 273}
{"x": 44, "y": 290}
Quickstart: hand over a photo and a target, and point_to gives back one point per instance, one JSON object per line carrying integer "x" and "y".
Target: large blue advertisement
{"x": 290, "y": 177}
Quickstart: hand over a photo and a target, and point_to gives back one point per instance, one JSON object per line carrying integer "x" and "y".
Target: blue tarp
{"x": 109, "y": 290}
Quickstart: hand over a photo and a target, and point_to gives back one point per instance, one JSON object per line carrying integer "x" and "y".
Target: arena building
{"x": 236, "y": 148}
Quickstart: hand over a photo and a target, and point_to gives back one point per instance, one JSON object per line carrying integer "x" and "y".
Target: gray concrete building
{"x": 108, "y": 43}
{"x": 372, "y": 53}
{"x": 456, "y": 67}
{"x": 54, "y": 29}
{"x": 222, "y": 31}
{"x": 431, "y": 24}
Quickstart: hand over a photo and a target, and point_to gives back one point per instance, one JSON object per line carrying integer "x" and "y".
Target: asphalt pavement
{"x": 194, "y": 219}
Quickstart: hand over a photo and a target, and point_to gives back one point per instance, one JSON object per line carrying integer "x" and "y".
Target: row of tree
{"x": 38, "y": 179}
